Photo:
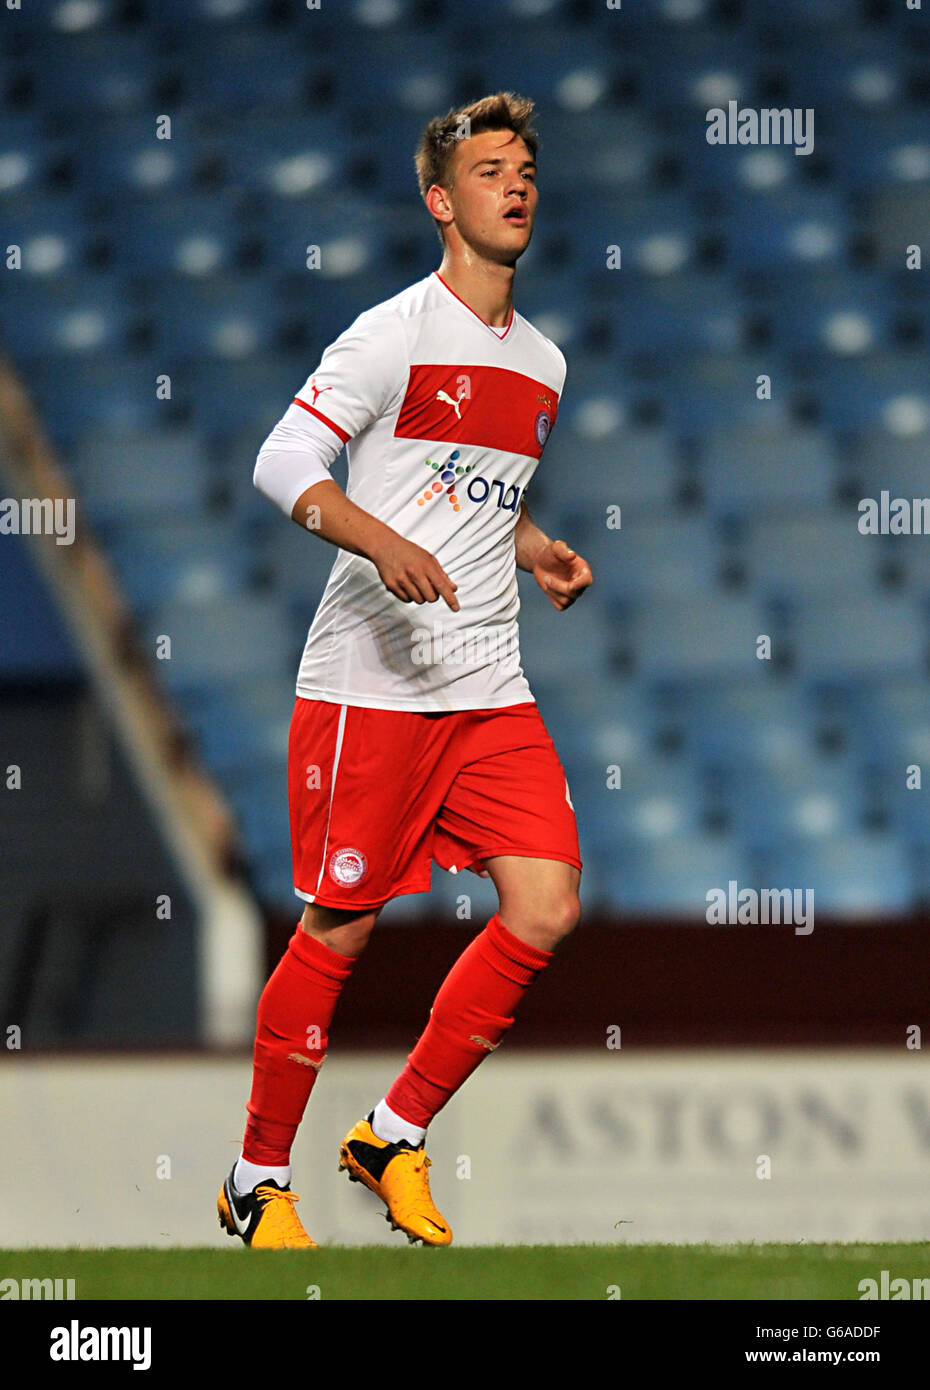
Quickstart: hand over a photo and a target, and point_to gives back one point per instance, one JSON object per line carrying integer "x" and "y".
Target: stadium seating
{"x": 165, "y": 313}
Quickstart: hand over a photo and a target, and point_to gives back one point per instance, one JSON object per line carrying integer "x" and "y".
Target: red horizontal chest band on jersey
{"x": 490, "y": 407}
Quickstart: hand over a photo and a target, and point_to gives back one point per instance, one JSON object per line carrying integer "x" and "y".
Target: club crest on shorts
{"x": 347, "y": 866}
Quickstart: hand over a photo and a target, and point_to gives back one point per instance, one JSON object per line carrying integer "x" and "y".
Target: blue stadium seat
{"x": 811, "y": 23}
{"x": 184, "y": 559}
{"x": 214, "y": 16}
{"x": 884, "y": 461}
{"x": 687, "y": 638}
{"x": 24, "y": 150}
{"x": 821, "y": 798}
{"x": 280, "y": 158}
{"x": 839, "y": 639}
{"x": 404, "y": 84}
{"x": 51, "y": 233}
{"x": 658, "y": 799}
{"x": 700, "y": 67}
{"x": 680, "y": 313}
{"x": 656, "y": 233}
{"x": 122, "y": 155}
{"x": 579, "y": 479}
{"x": 62, "y": 17}
{"x": 858, "y": 394}
{"x": 65, "y": 317}
{"x": 223, "y": 317}
{"x": 244, "y": 726}
{"x": 560, "y": 66}
{"x": 844, "y": 314}
{"x": 907, "y": 813}
{"x": 728, "y": 173}
{"x": 713, "y": 391}
{"x": 111, "y": 392}
{"x": 132, "y": 476}
{"x": 187, "y": 235}
{"x": 793, "y": 558}
{"x": 223, "y": 641}
{"x": 596, "y": 723}
{"x": 604, "y": 148}
{"x": 790, "y": 226}
{"x": 743, "y": 725}
{"x": 98, "y": 70}
{"x": 554, "y": 303}
{"x": 294, "y": 562}
{"x": 495, "y": 15}
{"x": 910, "y": 556}
{"x": 661, "y": 556}
{"x": 261, "y": 69}
{"x": 102, "y": 453}
{"x": 852, "y": 875}
{"x": 671, "y": 876}
{"x": 235, "y": 395}
{"x": 597, "y": 399}
{"x": 896, "y": 218}
{"x": 758, "y": 467}
{"x": 259, "y": 800}
{"x": 866, "y": 72}
{"x": 347, "y": 231}
{"x": 872, "y": 149}
{"x": 553, "y": 643}
{"x": 887, "y": 721}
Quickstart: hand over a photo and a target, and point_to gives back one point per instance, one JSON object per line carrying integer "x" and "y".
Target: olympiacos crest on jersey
{"x": 347, "y": 866}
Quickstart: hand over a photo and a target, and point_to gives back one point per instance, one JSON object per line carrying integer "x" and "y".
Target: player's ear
{"x": 437, "y": 201}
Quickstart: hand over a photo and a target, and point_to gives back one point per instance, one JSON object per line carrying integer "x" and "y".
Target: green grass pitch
{"x": 592, "y": 1272}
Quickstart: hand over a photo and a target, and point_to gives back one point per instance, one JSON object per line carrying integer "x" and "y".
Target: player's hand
{"x": 561, "y": 574}
{"x": 413, "y": 574}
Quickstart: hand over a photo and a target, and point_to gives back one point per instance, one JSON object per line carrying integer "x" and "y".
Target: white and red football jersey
{"x": 444, "y": 419}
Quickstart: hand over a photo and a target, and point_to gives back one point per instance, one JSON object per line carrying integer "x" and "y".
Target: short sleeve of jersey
{"x": 359, "y": 375}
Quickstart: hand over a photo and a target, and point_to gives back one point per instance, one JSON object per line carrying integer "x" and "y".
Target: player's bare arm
{"x": 407, "y": 570}
{"x": 559, "y": 571}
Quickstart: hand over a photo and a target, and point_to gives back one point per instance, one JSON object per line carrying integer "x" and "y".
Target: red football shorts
{"x": 376, "y": 795}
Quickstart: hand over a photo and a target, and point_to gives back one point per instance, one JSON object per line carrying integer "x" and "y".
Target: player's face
{"x": 494, "y": 194}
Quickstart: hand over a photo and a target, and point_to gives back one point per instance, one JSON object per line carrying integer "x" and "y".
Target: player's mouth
{"x": 517, "y": 214}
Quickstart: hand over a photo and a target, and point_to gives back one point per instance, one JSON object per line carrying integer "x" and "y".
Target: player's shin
{"x": 469, "y": 1019}
{"x": 294, "y": 1015}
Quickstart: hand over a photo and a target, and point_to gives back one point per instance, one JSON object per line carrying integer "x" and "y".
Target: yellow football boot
{"x": 265, "y": 1219}
{"x": 397, "y": 1174}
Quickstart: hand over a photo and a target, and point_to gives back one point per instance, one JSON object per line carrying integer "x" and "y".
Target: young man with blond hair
{"x": 444, "y": 397}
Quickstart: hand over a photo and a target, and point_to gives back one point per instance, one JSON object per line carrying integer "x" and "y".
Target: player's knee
{"x": 566, "y": 916}
{"x": 552, "y": 924}
{"x": 344, "y": 932}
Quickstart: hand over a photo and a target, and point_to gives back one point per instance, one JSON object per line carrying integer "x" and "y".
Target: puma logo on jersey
{"x": 484, "y": 1042}
{"x": 442, "y": 396}
{"x": 317, "y": 390}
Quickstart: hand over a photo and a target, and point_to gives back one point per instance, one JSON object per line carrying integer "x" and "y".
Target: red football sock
{"x": 294, "y": 1014}
{"x": 470, "y": 1015}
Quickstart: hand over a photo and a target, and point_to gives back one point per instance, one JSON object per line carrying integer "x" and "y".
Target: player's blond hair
{"x": 436, "y": 151}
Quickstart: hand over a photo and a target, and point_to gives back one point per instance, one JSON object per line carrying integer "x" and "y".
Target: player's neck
{"x": 485, "y": 286}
